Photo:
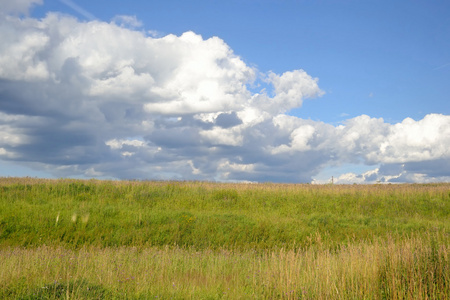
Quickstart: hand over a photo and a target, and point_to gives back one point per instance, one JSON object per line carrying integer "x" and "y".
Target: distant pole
{"x": 332, "y": 179}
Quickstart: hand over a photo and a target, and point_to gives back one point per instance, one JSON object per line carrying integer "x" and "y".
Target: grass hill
{"x": 130, "y": 239}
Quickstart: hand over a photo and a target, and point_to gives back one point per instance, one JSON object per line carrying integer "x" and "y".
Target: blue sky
{"x": 381, "y": 59}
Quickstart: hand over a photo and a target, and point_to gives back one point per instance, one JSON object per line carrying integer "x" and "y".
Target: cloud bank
{"x": 17, "y": 6}
{"x": 103, "y": 99}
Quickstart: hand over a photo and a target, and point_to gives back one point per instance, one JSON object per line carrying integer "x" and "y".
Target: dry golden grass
{"x": 414, "y": 268}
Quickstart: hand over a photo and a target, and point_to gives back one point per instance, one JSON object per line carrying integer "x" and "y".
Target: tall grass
{"x": 409, "y": 269}
{"x": 90, "y": 239}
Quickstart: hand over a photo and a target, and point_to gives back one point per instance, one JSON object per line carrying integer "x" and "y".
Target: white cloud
{"x": 154, "y": 33}
{"x": 208, "y": 77}
{"x": 119, "y": 144}
{"x": 397, "y": 173}
{"x": 300, "y": 139}
{"x": 21, "y": 45}
{"x": 100, "y": 99}
{"x": 223, "y": 136}
{"x": 127, "y": 21}
{"x": 291, "y": 88}
{"x": 17, "y": 6}
{"x": 410, "y": 140}
{"x": 364, "y": 178}
{"x": 10, "y": 135}
{"x": 5, "y": 154}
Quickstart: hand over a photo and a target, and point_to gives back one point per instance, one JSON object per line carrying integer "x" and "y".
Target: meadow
{"x": 93, "y": 239}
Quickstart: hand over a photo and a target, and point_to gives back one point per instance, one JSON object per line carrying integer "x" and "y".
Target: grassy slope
{"x": 63, "y": 239}
{"x": 207, "y": 215}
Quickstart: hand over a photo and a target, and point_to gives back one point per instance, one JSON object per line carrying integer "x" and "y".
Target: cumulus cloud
{"x": 102, "y": 99}
{"x": 411, "y": 141}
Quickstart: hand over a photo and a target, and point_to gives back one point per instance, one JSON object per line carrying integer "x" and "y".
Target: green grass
{"x": 206, "y": 215}
{"x": 62, "y": 239}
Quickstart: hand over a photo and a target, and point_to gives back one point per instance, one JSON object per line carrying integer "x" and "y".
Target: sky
{"x": 297, "y": 91}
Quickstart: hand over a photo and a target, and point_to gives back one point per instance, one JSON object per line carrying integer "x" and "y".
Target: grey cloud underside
{"x": 227, "y": 120}
{"x": 99, "y": 100}
{"x": 434, "y": 168}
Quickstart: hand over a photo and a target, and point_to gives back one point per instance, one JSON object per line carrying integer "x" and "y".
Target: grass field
{"x": 92, "y": 239}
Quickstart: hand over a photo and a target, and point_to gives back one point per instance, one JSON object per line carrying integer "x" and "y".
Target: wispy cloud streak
{"x": 442, "y": 66}
{"x": 79, "y": 9}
